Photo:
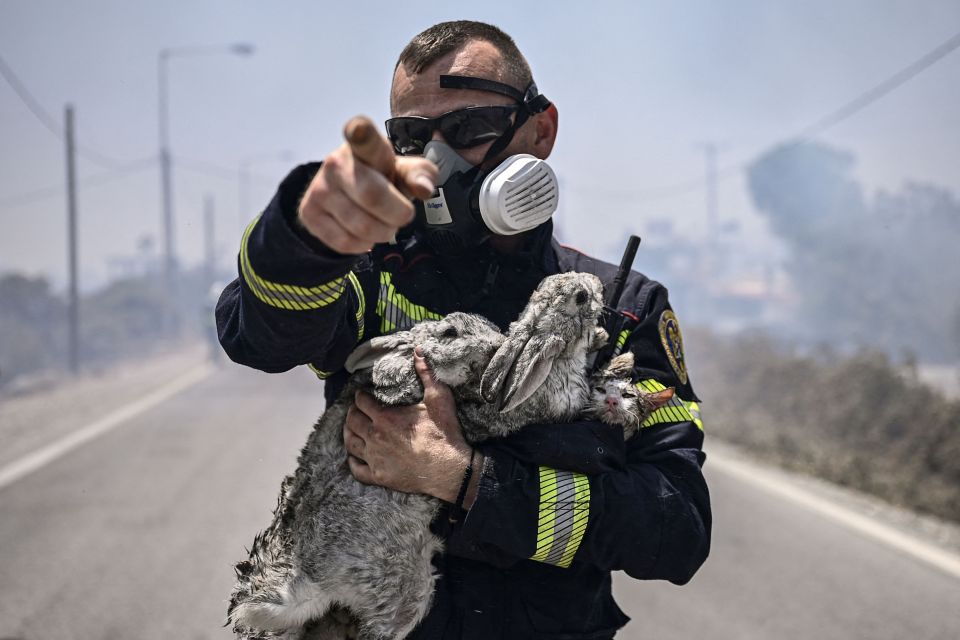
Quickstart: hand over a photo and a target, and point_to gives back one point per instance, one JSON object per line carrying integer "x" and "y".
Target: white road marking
{"x": 44, "y": 456}
{"x": 758, "y": 477}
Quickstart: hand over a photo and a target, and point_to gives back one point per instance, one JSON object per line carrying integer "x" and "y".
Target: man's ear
{"x": 545, "y": 131}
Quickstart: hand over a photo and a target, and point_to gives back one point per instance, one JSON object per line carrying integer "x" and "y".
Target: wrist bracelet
{"x": 462, "y": 493}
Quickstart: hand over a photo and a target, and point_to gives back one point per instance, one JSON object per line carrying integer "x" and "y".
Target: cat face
{"x": 616, "y": 401}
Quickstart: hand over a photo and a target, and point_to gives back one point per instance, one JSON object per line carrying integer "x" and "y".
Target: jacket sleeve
{"x": 295, "y": 300}
{"x": 641, "y": 506}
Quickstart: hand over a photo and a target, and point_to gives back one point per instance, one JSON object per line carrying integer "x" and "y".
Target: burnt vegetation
{"x": 859, "y": 419}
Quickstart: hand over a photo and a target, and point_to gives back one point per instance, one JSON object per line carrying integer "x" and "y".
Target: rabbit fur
{"x": 335, "y": 544}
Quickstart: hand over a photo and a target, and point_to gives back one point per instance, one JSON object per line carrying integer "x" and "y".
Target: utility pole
{"x": 170, "y": 265}
{"x": 209, "y": 250}
{"x": 171, "y": 324}
{"x": 73, "y": 308}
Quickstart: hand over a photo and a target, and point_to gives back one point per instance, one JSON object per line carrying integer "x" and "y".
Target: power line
{"x": 870, "y": 96}
{"x": 44, "y": 193}
{"x": 48, "y": 121}
{"x": 137, "y": 166}
{"x": 212, "y": 170}
{"x": 844, "y": 112}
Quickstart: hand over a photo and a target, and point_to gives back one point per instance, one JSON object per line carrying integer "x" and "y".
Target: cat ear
{"x": 621, "y": 366}
{"x": 660, "y": 398}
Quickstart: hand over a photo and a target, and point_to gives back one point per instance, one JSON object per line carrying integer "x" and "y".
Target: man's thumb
{"x": 423, "y": 370}
{"x": 416, "y": 177}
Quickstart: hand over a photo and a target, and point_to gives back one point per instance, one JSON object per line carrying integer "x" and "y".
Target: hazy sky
{"x": 639, "y": 87}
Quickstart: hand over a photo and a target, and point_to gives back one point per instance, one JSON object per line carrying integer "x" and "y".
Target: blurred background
{"x": 791, "y": 168}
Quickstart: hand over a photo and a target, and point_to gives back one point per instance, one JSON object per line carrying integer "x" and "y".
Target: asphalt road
{"x": 132, "y": 535}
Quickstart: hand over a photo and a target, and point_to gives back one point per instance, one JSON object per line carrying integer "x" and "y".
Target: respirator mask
{"x": 471, "y": 203}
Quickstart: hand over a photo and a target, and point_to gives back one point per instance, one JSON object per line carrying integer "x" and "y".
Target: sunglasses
{"x": 462, "y": 129}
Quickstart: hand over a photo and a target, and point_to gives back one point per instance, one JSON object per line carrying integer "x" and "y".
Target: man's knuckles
{"x": 334, "y": 235}
{"x": 382, "y": 199}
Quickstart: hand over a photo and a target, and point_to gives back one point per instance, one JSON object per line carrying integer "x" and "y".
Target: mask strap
{"x": 531, "y": 102}
{"x": 480, "y": 84}
{"x": 503, "y": 141}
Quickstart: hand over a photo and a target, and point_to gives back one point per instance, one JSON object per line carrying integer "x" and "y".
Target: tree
{"x": 32, "y": 325}
{"x": 867, "y": 273}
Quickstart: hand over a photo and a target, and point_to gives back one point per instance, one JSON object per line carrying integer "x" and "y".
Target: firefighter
{"x": 386, "y": 232}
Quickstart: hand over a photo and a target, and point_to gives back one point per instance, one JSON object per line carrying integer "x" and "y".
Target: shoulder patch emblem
{"x": 672, "y": 341}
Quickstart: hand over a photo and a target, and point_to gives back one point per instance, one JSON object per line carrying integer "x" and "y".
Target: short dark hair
{"x": 433, "y": 43}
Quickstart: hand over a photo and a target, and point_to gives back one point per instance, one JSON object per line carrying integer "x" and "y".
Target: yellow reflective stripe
{"x": 396, "y": 311}
{"x": 694, "y": 409}
{"x": 286, "y": 296}
{"x": 323, "y": 375}
{"x": 361, "y": 304}
{"x": 677, "y": 410}
{"x": 361, "y": 311}
{"x": 651, "y": 385}
{"x": 621, "y": 341}
{"x": 581, "y": 515}
{"x": 563, "y": 515}
{"x": 548, "y": 497}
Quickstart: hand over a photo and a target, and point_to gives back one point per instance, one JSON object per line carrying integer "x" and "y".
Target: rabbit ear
{"x": 495, "y": 375}
{"x": 529, "y": 365}
{"x": 367, "y": 354}
{"x": 532, "y": 368}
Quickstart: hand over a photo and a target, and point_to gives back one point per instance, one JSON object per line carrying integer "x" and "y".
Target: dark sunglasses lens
{"x": 409, "y": 135}
{"x": 472, "y": 127}
{"x": 461, "y": 129}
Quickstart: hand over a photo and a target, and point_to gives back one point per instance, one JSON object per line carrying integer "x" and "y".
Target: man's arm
{"x": 297, "y": 299}
{"x": 652, "y": 519}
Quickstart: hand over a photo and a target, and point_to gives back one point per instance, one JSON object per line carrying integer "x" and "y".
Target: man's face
{"x": 421, "y": 95}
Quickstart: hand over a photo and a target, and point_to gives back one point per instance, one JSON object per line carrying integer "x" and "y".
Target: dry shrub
{"x": 857, "y": 420}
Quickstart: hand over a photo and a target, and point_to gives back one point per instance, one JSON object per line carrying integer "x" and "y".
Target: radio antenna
{"x": 626, "y": 263}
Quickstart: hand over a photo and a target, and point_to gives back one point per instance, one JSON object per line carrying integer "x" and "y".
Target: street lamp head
{"x": 242, "y": 49}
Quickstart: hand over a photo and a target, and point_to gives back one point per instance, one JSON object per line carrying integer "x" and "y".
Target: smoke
{"x": 878, "y": 271}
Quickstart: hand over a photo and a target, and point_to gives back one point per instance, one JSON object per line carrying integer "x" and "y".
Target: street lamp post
{"x": 166, "y": 168}
{"x": 243, "y": 182}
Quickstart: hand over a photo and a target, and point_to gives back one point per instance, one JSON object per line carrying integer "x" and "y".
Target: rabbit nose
{"x": 612, "y": 402}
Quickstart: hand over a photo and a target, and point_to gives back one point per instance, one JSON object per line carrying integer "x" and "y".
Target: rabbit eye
{"x": 449, "y": 332}
{"x": 600, "y": 389}
{"x": 581, "y": 297}
{"x": 629, "y": 394}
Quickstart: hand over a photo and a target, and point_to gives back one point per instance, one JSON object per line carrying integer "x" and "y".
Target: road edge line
{"x": 24, "y": 466}
{"x": 754, "y": 475}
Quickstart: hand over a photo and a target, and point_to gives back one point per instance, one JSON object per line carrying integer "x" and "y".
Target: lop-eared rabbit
{"x": 340, "y": 550}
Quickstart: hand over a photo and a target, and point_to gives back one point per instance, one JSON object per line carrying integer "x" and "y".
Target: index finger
{"x": 365, "y": 403}
{"x": 368, "y": 146}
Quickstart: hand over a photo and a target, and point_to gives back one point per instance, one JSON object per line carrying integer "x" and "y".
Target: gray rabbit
{"x": 339, "y": 550}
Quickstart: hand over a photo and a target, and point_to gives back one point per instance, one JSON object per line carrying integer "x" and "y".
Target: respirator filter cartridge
{"x": 518, "y": 195}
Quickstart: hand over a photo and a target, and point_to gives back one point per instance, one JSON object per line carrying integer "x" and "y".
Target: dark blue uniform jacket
{"x": 559, "y": 506}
